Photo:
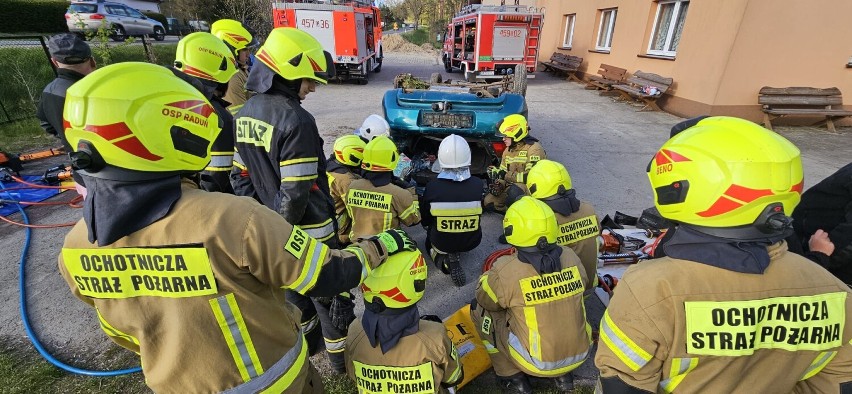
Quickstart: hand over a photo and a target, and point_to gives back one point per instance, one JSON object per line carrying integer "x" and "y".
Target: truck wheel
{"x": 468, "y": 75}
{"x": 435, "y": 79}
{"x": 362, "y": 81}
{"x": 378, "y": 66}
{"x": 519, "y": 85}
{"x": 448, "y": 66}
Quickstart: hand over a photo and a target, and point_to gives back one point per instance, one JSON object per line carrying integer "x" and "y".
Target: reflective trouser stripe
{"x": 298, "y": 169}
{"x": 680, "y": 368}
{"x": 483, "y": 283}
{"x": 281, "y": 375}
{"x": 237, "y": 336}
{"x": 334, "y": 345}
{"x": 310, "y": 270}
{"x": 489, "y": 347}
{"x": 623, "y": 347}
{"x": 238, "y": 161}
{"x": 411, "y": 210}
{"x": 818, "y": 364}
{"x": 455, "y": 375}
{"x": 310, "y": 325}
{"x": 467, "y": 208}
{"x": 534, "y": 337}
{"x": 365, "y": 265}
{"x": 114, "y": 332}
{"x": 220, "y": 161}
{"x": 322, "y": 231}
{"x": 547, "y": 368}
{"x": 519, "y": 177}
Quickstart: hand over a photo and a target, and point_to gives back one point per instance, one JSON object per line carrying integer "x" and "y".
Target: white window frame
{"x": 672, "y": 27}
{"x": 568, "y": 33}
{"x": 608, "y": 13}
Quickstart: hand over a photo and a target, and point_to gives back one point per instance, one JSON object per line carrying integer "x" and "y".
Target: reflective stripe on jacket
{"x": 579, "y": 231}
{"x": 519, "y": 158}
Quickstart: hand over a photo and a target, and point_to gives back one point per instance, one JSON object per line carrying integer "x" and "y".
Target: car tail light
{"x": 499, "y": 147}
{"x": 96, "y": 16}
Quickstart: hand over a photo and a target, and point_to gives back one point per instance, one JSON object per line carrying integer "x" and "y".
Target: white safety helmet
{"x": 374, "y": 126}
{"x": 454, "y": 152}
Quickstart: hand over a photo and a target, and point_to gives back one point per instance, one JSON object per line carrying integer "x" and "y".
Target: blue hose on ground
{"x": 25, "y": 316}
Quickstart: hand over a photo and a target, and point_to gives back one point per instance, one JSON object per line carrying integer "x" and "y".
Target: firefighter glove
{"x": 342, "y": 311}
{"x": 496, "y": 173}
{"x": 395, "y": 240}
{"x": 433, "y": 318}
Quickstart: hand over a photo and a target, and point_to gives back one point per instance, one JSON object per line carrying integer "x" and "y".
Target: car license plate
{"x": 450, "y": 121}
{"x": 486, "y": 73}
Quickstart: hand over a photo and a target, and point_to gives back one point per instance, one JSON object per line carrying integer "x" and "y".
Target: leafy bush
{"x": 33, "y": 16}
{"x": 417, "y": 37}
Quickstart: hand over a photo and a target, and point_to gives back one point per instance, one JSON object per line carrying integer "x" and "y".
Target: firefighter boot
{"x": 518, "y": 383}
{"x": 440, "y": 260}
{"x": 456, "y": 271}
{"x": 564, "y": 383}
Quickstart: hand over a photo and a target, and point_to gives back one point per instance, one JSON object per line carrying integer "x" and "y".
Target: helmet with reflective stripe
{"x": 138, "y": 117}
{"x": 294, "y": 54}
{"x": 454, "y": 152}
{"x": 233, "y": 33}
{"x": 515, "y": 127}
{"x": 204, "y": 56}
{"x": 380, "y": 155}
{"x": 349, "y": 150}
{"x": 373, "y": 126}
{"x": 399, "y": 282}
{"x": 529, "y": 222}
{"x": 548, "y": 178}
{"x": 726, "y": 172}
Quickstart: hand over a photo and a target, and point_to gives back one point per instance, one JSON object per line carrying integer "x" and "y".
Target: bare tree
{"x": 416, "y": 8}
{"x": 256, "y": 14}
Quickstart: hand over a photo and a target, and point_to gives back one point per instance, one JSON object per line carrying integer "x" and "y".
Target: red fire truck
{"x": 489, "y": 41}
{"x": 350, "y": 31}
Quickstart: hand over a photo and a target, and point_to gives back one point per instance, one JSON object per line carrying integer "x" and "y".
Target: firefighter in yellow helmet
{"x": 374, "y": 202}
{"x": 577, "y": 222}
{"x": 192, "y": 281}
{"x": 344, "y": 166}
{"x": 279, "y": 160}
{"x": 522, "y": 152}
{"x": 206, "y": 63}
{"x": 241, "y": 42}
{"x": 530, "y": 312}
{"x": 728, "y": 309}
{"x": 392, "y": 348}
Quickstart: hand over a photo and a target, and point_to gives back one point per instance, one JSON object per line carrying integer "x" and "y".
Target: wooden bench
{"x": 778, "y": 102}
{"x": 560, "y": 62}
{"x": 634, "y": 85}
{"x": 607, "y": 76}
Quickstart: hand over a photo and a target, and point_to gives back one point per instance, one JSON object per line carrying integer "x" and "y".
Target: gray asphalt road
{"x": 605, "y": 145}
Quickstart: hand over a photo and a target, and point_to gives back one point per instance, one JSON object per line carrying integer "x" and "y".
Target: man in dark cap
{"x": 73, "y": 60}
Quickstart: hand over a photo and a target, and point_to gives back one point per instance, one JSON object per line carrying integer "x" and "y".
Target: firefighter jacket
{"x": 519, "y": 158}
{"x": 237, "y": 95}
{"x": 51, "y": 105}
{"x": 374, "y": 209}
{"x": 279, "y": 146}
{"x": 451, "y": 210}
{"x": 547, "y": 333}
{"x": 579, "y": 231}
{"x": 696, "y": 327}
{"x": 424, "y": 362}
{"x": 216, "y": 176}
{"x": 204, "y": 305}
{"x": 339, "y": 178}
{"x": 828, "y": 206}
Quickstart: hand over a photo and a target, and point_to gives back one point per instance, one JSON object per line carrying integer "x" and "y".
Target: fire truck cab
{"x": 350, "y": 31}
{"x": 489, "y": 41}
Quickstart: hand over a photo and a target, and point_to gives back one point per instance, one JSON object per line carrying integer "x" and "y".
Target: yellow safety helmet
{"x": 514, "y": 126}
{"x": 204, "y": 56}
{"x": 233, "y": 33}
{"x": 529, "y": 222}
{"x": 399, "y": 282}
{"x": 726, "y": 172}
{"x": 548, "y": 178}
{"x": 349, "y": 150}
{"x": 139, "y": 117}
{"x": 380, "y": 155}
{"x": 294, "y": 54}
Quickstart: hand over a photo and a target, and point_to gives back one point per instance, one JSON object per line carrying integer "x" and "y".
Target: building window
{"x": 568, "y": 37}
{"x": 606, "y": 29}
{"x": 668, "y": 25}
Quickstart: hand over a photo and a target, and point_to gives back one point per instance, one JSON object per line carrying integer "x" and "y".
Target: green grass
{"x": 24, "y": 136}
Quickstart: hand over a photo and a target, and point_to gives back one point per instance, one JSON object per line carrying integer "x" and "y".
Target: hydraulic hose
{"x": 25, "y": 315}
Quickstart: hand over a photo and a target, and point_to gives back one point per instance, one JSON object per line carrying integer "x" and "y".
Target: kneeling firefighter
{"x": 529, "y": 306}
{"x": 344, "y": 166}
{"x": 203, "y": 305}
{"x": 727, "y": 309}
{"x": 392, "y": 348}
{"x": 507, "y": 182}
{"x": 451, "y": 207}
{"x": 577, "y": 222}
